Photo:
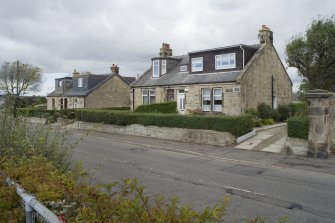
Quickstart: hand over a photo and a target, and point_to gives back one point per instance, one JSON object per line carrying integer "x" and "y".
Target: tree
{"x": 313, "y": 54}
{"x": 16, "y": 79}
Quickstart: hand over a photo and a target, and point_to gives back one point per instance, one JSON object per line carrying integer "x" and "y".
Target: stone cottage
{"x": 88, "y": 90}
{"x": 226, "y": 80}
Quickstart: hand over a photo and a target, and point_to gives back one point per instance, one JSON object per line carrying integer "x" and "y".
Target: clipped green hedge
{"x": 50, "y": 114}
{"x": 169, "y": 107}
{"x": 298, "y": 108}
{"x": 237, "y": 125}
{"x": 297, "y": 127}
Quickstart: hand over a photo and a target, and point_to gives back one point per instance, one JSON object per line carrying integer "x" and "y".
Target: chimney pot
{"x": 265, "y": 35}
{"x": 165, "y": 51}
{"x": 114, "y": 69}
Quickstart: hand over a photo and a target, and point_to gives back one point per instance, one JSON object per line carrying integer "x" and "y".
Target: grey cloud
{"x": 62, "y": 35}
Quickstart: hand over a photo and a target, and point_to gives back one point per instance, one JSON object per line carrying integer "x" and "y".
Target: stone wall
{"x": 193, "y": 100}
{"x": 321, "y": 123}
{"x": 231, "y": 99}
{"x": 113, "y": 93}
{"x": 207, "y": 137}
{"x": 256, "y": 82}
{"x": 72, "y": 102}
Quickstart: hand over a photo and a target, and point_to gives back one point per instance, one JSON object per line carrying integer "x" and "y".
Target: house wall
{"x": 113, "y": 93}
{"x": 231, "y": 100}
{"x": 70, "y": 102}
{"x": 256, "y": 84}
{"x": 193, "y": 97}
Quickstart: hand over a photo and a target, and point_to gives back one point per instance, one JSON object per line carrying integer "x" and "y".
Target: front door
{"x": 181, "y": 101}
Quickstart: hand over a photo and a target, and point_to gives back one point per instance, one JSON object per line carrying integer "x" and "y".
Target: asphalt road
{"x": 254, "y": 189}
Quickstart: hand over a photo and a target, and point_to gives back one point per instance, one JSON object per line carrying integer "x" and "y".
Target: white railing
{"x": 32, "y": 204}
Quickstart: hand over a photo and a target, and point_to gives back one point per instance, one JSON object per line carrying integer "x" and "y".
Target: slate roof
{"x": 175, "y": 77}
{"x": 95, "y": 81}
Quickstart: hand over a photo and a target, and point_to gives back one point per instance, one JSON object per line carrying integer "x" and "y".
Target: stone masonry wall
{"x": 200, "y": 136}
{"x": 256, "y": 82}
{"x": 113, "y": 93}
{"x": 321, "y": 123}
{"x": 193, "y": 100}
{"x": 70, "y": 102}
{"x": 231, "y": 100}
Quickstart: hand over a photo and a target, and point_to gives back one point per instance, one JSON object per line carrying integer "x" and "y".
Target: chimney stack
{"x": 115, "y": 69}
{"x": 75, "y": 74}
{"x": 165, "y": 51}
{"x": 265, "y": 35}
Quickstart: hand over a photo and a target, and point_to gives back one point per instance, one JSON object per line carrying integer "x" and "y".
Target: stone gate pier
{"x": 321, "y": 115}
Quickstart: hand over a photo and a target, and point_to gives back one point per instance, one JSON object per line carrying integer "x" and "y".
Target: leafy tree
{"x": 16, "y": 79}
{"x": 313, "y": 54}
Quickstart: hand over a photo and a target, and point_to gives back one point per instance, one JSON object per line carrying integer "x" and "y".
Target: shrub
{"x": 19, "y": 136}
{"x": 267, "y": 121}
{"x": 67, "y": 194}
{"x": 252, "y": 112}
{"x": 284, "y": 112}
{"x": 298, "y": 109}
{"x": 169, "y": 107}
{"x": 264, "y": 110}
{"x": 237, "y": 125}
{"x": 297, "y": 127}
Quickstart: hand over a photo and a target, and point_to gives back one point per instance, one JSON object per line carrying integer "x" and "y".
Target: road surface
{"x": 255, "y": 189}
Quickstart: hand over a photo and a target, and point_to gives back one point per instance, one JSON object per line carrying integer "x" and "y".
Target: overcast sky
{"x": 87, "y": 35}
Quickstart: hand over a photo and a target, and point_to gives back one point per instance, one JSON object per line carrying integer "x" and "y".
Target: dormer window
{"x": 225, "y": 61}
{"x": 60, "y": 83}
{"x": 163, "y": 67}
{"x": 155, "y": 68}
{"x": 197, "y": 64}
{"x": 80, "y": 82}
{"x": 183, "y": 68}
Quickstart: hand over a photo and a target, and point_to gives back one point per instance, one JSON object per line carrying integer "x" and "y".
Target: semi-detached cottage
{"x": 226, "y": 80}
{"x": 85, "y": 90}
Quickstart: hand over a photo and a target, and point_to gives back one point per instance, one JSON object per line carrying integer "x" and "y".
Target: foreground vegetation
{"x": 38, "y": 158}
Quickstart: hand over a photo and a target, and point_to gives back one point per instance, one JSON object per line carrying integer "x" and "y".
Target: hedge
{"x": 169, "y": 107}
{"x": 237, "y": 125}
{"x": 297, "y": 127}
{"x": 42, "y": 113}
{"x": 298, "y": 109}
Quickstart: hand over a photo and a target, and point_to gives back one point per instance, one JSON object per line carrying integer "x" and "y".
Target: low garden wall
{"x": 200, "y": 136}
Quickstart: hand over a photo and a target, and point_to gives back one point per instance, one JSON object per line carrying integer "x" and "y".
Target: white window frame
{"x": 202, "y": 100}
{"x": 217, "y": 109}
{"x": 227, "y": 58}
{"x": 155, "y": 68}
{"x": 60, "y": 83}
{"x": 163, "y": 67}
{"x": 196, "y": 62}
{"x": 149, "y": 93}
{"x": 183, "y": 68}
{"x": 80, "y": 82}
